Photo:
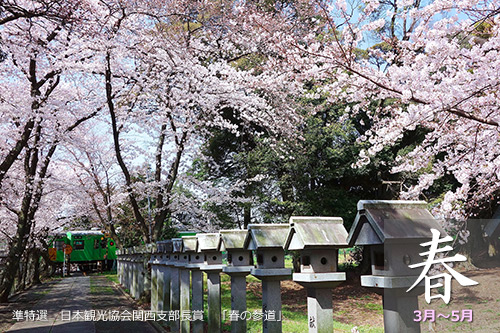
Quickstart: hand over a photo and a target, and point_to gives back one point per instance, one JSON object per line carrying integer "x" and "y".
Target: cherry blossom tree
{"x": 91, "y": 182}
{"x": 170, "y": 72}
{"x": 41, "y": 102}
{"x": 54, "y": 10}
{"x": 436, "y": 71}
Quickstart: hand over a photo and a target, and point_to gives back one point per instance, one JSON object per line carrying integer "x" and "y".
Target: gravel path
{"x": 82, "y": 304}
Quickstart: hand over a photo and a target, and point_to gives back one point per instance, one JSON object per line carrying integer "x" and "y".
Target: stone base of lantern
{"x": 232, "y": 270}
{"x": 214, "y": 296}
{"x": 390, "y": 282}
{"x": 320, "y": 310}
{"x": 319, "y": 298}
{"x": 185, "y": 280}
{"x": 180, "y": 265}
{"x": 163, "y": 287}
{"x": 175, "y": 296}
{"x": 399, "y": 305}
{"x": 319, "y": 280}
{"x": 269, "y": 274}
{"x": 212, "y": 268}
{"x": 271, "y": 295}
{"x": 154, "y": 287}
{"x": 238, "y": 294}
{"x": 197, "y": 297}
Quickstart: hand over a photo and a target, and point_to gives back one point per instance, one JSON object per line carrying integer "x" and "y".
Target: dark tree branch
{"x": 116, "y": 140}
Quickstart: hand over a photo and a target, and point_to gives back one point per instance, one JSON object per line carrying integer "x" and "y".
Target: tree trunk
{"x": 475, "y": 248}
{"x": 36, "y": 267}
{"x": 49, "y": 267}
{"x": 365, "y": 264}
{"x": 493, "y": 247}
{"x": 116, "y": 140}
{"x": 13, "y": 258}
{"x": 28, "y": 275}
{"x": 247, "y": 215}
{"x": 296, "y": 261}
{"x": 22, "y": 274}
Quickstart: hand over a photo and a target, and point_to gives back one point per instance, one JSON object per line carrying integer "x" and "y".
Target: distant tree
{"x": 310, "y": 175}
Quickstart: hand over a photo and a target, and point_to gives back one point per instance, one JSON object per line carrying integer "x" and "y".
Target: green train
{"x": 91, "y": 249}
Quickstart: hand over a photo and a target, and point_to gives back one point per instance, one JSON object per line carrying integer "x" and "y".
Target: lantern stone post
{"x": 163, "y": 277}
{"x": 239, "y": 265}
{"x": 268, "y": 241}
{"x": 154, "y": 262}
{"x": 195, "y": 261}
{"x": 135, "y": 273}
{"x": 175, "y": 283}
{"x": 119, "y": 265}
{"x": 185, "y": 282}
{"x": 208, "y": 245}
{"x": 126, "y": 269}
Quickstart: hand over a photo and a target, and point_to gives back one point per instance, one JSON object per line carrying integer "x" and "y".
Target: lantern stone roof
{"x": 164, "y": 246}
{"x": 310, "y": 232}
{"x": 262, "y": 236}
{"x": 232, "y": 239}
{"x": 190, "y": 243}
{"x": 383, "y": 221}
{"x": 177, "y": 245}
{"x": 208, "y": 242}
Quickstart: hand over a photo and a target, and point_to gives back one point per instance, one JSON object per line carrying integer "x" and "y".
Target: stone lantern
{"x": 239, "y": 265}
{"x": 137, "y": 272}
{"x": 318, "y": 239}
{"x": 393, "y": 231}
{"x": 268, "y": 241}
{"x": 149, "y": 250}
{"x": 208, "y": 245}
{"x": 195, "y": 261}
{"x": 184, "y": 280}
{"x": 127, "y": 268}
{"x": 120, "y": 256}
{"x": 163, "y": 274}
{"x": 177, "y": 262}
{"x": 154, "y": 263}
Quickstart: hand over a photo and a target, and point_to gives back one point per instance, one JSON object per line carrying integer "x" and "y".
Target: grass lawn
{"x": 293, "y": 321}
{"x": 100, "y": 289}
{"x": 110, "y": 275}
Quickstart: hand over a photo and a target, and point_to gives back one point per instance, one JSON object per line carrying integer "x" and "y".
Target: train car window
{"x": 78, "y": 244}
{"x": 59, "y": 245}
{"x": 96, "y": 243}
{"x": 104, "y": 243}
